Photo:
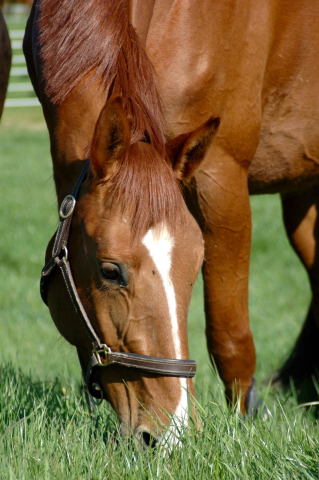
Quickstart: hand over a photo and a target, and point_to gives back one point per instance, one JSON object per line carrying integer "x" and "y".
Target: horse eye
{"x": 111, "y": 272}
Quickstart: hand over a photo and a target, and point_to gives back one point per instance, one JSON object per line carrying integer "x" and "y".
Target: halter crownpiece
{"x": 102, "y": 355}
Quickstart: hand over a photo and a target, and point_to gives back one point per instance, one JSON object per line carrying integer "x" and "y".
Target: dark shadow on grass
{"x": 22, "y": 397}
{"x": 300, "y": 372}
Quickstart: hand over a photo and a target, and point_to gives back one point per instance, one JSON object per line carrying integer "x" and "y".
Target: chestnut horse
{"x": 134, "y": 249}
{"x": 121, "y": 268}
{"x": 5, "y": 60}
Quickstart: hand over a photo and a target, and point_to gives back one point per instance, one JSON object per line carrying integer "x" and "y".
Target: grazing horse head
{"x": 135, "y": 252}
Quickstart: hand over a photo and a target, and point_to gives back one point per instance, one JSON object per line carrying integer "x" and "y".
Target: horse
{"x": 236, "y": 82}
{"x": 120, "y": 269}
{"x": 5, "y": 60}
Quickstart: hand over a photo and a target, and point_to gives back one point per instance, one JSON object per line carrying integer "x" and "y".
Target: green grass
{"x": 28, "y": 219}
{"x": 45, "y": 429}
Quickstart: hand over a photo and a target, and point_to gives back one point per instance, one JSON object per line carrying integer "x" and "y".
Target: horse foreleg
{"x": 301, "y": 220}
{"x": 224, "y": 204}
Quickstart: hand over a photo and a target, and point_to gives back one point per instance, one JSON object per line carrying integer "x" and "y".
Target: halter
{"x": 154, "y": 365}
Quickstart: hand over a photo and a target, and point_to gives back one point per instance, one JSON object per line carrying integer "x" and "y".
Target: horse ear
{"x": 188, "y": 150}
{"x": 111, "y": 139}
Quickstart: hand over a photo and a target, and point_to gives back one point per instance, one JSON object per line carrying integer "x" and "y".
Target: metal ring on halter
{"x": 67, "y": 206}
{"x": 105, "y": 349}
{"x": 66, "y": 252}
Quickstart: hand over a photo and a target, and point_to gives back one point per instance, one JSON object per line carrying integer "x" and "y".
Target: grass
{"x": 46, "y": 431}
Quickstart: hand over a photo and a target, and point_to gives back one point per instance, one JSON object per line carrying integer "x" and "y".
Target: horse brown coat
{"x": 253, "y": 65}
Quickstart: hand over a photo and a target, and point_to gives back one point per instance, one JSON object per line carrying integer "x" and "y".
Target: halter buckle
{"x": 67, "y": 206}
{"x": 105, "y": 349}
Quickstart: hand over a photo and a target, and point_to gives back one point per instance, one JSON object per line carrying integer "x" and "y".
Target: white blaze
{"x": 160, "y": 244}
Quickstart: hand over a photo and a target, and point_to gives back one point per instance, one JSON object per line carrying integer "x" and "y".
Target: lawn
{"x": 45, "y": 429}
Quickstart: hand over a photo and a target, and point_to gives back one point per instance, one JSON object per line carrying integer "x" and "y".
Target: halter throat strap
{"x": 102, "y": 355}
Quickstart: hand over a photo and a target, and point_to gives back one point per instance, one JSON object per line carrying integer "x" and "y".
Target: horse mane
{"x": 145, "y": 188}
{"x": 94, "y": 40}
{"x": 89, "y": 40}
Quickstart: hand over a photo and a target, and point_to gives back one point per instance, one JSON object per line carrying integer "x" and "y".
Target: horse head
{"x": 135, "y": 252}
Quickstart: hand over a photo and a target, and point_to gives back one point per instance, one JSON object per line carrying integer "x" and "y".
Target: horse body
{"x": 254, "y": 65}
{"x": 251, "y": 64}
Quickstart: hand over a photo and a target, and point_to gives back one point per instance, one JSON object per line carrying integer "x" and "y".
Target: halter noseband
{"x": 155, "y": 365}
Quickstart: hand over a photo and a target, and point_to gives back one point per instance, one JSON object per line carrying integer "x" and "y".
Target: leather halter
{"x": 153, "y": 365}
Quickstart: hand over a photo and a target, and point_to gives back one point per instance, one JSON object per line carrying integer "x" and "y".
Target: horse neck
{"x": 71, "y": 128}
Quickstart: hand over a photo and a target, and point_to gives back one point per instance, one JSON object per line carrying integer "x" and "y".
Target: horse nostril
{"x": 148, "y": 440}
{"x": 145, "y": 438}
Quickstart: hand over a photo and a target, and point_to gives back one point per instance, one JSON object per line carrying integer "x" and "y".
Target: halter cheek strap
{"x": 102, "y": 355}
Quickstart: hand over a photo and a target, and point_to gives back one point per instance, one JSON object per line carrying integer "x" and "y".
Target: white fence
{"x": 19, "y": 82}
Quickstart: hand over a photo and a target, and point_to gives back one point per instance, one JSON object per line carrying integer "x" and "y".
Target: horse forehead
{"x": 159, "y": 242}
{"x": 115, "y": 238}
{"x": 112, "y": 234}
{"x": 165, "y": 244}
{"x": 107, "y": 228}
